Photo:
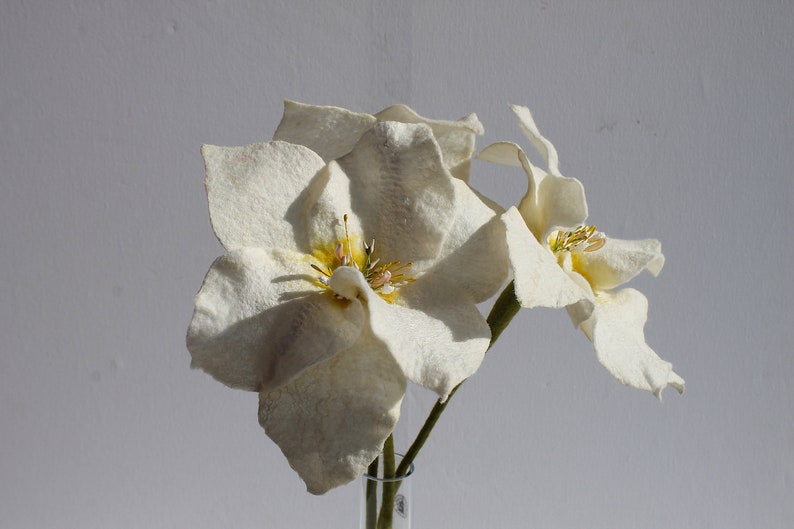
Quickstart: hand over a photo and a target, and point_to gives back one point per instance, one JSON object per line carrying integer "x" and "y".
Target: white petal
{"x": 329, "y": 131}
{"x": 560, "y": 202}
{"x": 400, "y": 191}
{"x": 551, "y": 200}
{"x": 327, "y": 202}
{"x": 544, "y": 146}
{"x": 539, "y": 280}
{"x": 258, "y": 322}
{"x": 502, "y": 152}
{"x": 437, "y": 338}
{"x": 331, "y": 421}
{"x": 616, "y": 330}
{"x": 473, "y": 257}
{"x": 456, "y": 138}
{"x": 251, "y": 191}
{"x": 619, "y": 261}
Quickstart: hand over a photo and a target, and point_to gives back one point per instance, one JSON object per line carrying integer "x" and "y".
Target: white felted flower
{"x": 559, "y": 262}
{"x": 325, "y": 324}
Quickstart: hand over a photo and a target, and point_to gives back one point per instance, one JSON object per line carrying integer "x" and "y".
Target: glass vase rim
{"x": 395, "y": 478}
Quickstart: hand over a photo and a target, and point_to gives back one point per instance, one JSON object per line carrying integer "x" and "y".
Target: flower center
{"x": 383, "y": 278}
{"x": 582, "y": 239}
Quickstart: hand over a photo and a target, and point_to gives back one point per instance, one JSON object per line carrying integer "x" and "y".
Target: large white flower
{"x": 324, "y": 324}
{"x": 558, "y": 261}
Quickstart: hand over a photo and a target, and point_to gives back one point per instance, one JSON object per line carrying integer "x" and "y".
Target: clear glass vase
{"x": 394, "y": 493}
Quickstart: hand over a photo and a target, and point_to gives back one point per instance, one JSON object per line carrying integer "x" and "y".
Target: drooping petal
{"x": 455, "y": 138}
{"x": 616, "y": 330}
{"x": 259, "y": 322}
{"x": 329, "y": 131}
{"x": 332, "y": 420}
{"x": 619, "y": 261}
{"x": 539, "y": 280}
{"x": 251, "y": 189}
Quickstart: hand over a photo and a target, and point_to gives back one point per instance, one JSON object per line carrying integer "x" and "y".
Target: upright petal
{"x": 331, "y": 421}
{"x": 251, "y": 189}
{"x": 560, "y": 203}
{"x": 616, "y": 330}
{"x": 258, "y": 323}
{"x": 329, "y": 131}
{"x": 531, "y": 131}
{"x": 619, "y": 261}
{"x": 551, "y": 200}
{"x": 455, "y": 138}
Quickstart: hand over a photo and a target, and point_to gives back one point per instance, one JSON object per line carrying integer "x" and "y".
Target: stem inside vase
{"x": 386, "y": 501}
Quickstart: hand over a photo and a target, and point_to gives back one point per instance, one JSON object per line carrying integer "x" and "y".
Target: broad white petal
{"x": 332, "y": 420}
{"x": 616, "y": 330}
{"x": 251, "y": 189}
{"x": 329, "y": 131}
{"x": 619, "y": 261}
{"x": 259, "y": 322}
{"x": 539, "y": 280}
{"x": 437, "y": 338}
{"x": 455, "y": 138}
{"x": 400, "y": 191}
{"x": 473, "y": 257}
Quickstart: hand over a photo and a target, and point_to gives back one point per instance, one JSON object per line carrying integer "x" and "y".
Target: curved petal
{"x": 531, "y": 131}
{"x": 501, "y": 152}
{"x": 551, "y": 200}
{"x": 619, "y": 261}
{"x": 539, "y": 280}
{"x": 616, "y": 330}
{"x": 329, "y": 131}
{"x": 258, "y": 323}
{"x": 560, "y": 203}
{"x": 250, "y": 190}
{"x": 330, "y": 441}
{"x": 455, "y": 138}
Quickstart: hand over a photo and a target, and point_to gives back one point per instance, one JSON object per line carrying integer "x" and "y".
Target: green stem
{"x": 504, "y": 309}
{"x": 389, "y": 487}
{"x": 372, "y": 494}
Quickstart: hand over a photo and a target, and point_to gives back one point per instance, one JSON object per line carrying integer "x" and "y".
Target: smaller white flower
{"x": 558, "y": 261}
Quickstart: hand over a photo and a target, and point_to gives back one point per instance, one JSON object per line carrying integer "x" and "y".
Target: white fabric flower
{"x": 299, "y": 310}
{"x": 559, "y": 262}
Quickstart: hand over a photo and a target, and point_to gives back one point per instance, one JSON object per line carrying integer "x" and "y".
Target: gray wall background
{"x": 677, "y": 116}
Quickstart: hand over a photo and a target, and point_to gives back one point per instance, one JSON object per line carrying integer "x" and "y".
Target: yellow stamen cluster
{"x": 582, "y": 239}
{"x": 380, "y": 277}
